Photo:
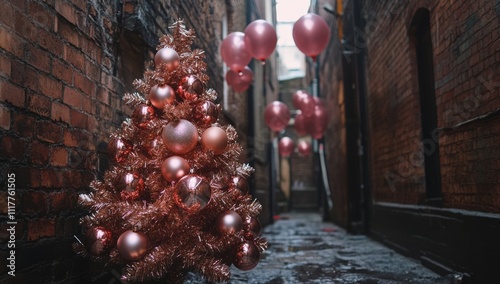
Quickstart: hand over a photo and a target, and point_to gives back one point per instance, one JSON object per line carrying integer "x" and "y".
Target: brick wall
{"x": 61, "y": 79}
{"x": 466, "y": 54}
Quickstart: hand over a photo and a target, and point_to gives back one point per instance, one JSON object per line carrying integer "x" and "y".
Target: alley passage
{"x": 303, "y": 249}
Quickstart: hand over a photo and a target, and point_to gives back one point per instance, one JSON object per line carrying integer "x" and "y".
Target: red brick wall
{"x": 466, "y": 54}
{"x": 60, "y": 97}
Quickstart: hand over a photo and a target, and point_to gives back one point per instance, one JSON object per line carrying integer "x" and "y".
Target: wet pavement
{"x": 303, "y": 249}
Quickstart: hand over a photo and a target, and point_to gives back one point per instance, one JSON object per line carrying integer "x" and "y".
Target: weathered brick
{"x": 59, "y": 156}
{"x": 39, "y": 153}
{"x": 84, "y": 84}
{"x": 12, "y": 94}
{"x": 4, "y": 66}
{"x": 41, "y": 228}
{"x": 39, "y": 104}
{"x": 74, "y": 57}
{"x": 48, "y": 131}
{"x": 69, "y": 33}
{"x": 12, "y": 147}
{"x": 24, "y": 125}
{"x": 62, "y": 71}
{"x": 36, "y": 57}
{"x": 61, "y": 201}
{"x": 24, "y": 27}
{"x": 67, "y": 11}
{"x": 4, "y": 118}
{"x": 72, "y": 97}
{"x": 40, "y": 14}
{"x": 60, "y": 112}
{"x": 51, "y": 178}
{"x": 34, "y": 202}
{"x": 50, "y": 42}
{"x": 11, "y": 42}
{"x": 78, "y": 119}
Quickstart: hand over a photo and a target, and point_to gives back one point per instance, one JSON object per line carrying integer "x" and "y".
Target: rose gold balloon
{"x": 285, "y": 146}
{"x": 100, "y": 240}
{"x": 192, "y": 190}
{"x": 180, "y": 137}
{"x": 301, "y": 124}
{"x": 240, "y": 81}
{"x": 207, "y": 113}
{"x": 142, "y": 115}
{"x": 215, "y": 139}
{"x": 311, "y": 34}
{"x": 277, "y": 116}
{"x": 232, "y": 77}
{"x": 247, "y": 256}
{"x": 319, "y": 122}
{"x": 174, "y": 168}
{"x": 241, "y": 184}
{"x": 234, "y": 51}
{"x": 119, "y": 149}
{"x": 304, "y": 148}
{"x": 305, "y": 102}
{"x": 130, "y": 186}
{"x": 167, "y": 57}
{"x": 229, "y": 223}
{"x": 161, "y": 96}
{"x": 132, "y": 245}
{"x": 190, "y": 88}
{"x": 260, "y": 39}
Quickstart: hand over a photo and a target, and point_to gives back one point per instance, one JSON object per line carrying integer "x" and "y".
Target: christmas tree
{"x": 176, "y": 198}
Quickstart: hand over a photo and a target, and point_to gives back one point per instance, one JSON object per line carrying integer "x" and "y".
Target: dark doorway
{"x": 420, "y": 33}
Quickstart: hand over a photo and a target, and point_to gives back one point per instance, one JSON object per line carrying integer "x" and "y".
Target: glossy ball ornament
{"x": 142, "y": 115}
{"x": 252, "y": 227}
{"x": 215, "y": 139}
{"x": 207, "y": 113}
{"x": 168, "y": 57}
{"x": 119, "y": 149}
{"x": 192, "y": 191}
{"x": 152, "y": 147}
{"x": 180, "y": 136}
{"x": 190, "y": 88}
{"x": 161, "y": 96}
{"x": 132, "y": 245}
{"x": 246, "y": 256}
{"x": 229, "y": 223}
{"x": 174, "y": 168}
{"x": 241, "y": 184}
{"x": 99, "y": 240}
{"x": 130, "y": 185}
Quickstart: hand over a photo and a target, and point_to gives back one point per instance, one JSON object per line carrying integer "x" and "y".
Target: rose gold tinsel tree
{"x": 176, "y": 198}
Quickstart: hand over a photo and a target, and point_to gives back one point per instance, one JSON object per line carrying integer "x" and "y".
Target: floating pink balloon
{"x": 260, "y": 39}
{"x": 276, "y": 116}
{"x": 301, "y": 124}
{"x": 311, "y": 34}
{"x": 285, "y": 146}
{"x": 234, "y": 51}
{"x": 319, "y": 122}
{"x": 304, "y": 148}
{"x": 240, "y": 81}
{"x": 305, "y": 102}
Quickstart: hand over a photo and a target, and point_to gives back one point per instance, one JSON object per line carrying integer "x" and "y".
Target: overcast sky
{"x": 291, "y": 10}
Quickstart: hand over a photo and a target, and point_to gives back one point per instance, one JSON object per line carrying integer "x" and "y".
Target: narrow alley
{"x": 304, "y": 249}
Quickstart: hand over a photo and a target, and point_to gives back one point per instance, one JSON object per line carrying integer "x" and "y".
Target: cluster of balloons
{"x": 237, "y": 49}
{"x": 313, "y": 117}
{"x": 286, "y": 147}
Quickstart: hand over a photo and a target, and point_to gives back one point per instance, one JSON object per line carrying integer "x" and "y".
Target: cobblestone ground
{"x": 303, "y": 249}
